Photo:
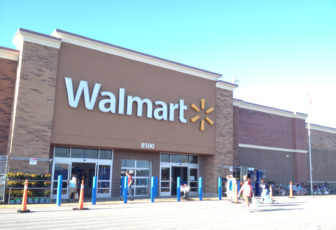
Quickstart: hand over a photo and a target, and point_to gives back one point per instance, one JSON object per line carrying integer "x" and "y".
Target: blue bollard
{"x": 121, "y": 188}
{"x": 219, "y": 188}
{"x": 178, "y": 189}
{"x": 238, "y": 186}
{"x": 200, "y": 188}
{"x": 125, "y": 188}
{"x": 59, "y": 191}
{"x": 253, "y": 187}
{"x": 94, "y": 190}
{"x": 152, "y": 189}
{"x": 156, "y": 186}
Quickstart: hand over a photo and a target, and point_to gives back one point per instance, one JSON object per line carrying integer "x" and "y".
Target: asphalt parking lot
{"x": 308, "y": 212}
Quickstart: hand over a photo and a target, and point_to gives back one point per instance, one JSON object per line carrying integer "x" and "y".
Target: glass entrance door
{"x": 165, "y": 181}
{"x": 83, "y": 169}
{"x": 181, "y": 172}
{"x": 104, "y": 174}
{"x": 84, "y": 172}
{"x": 173, "y": 166}
{"x": 61, "y": 168}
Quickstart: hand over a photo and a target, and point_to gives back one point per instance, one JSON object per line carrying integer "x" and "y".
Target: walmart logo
{"x": 203, "y": 113}
{"x": 121, "y": 104}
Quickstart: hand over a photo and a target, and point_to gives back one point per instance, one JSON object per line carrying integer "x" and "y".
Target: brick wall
{"x": 275, "y": 131}
{"x": 259, "y": 128}
{"x": 132, "y": 155}
{"x": 7, "y": 85}
{"x": 35, "y": 104}
{"x": 279, "y": 166}
{"x": 301, "y": 167}
{"x": 211, "y": 167}
{"x": 323, "y": 156}
{"x": 23, "y": 166}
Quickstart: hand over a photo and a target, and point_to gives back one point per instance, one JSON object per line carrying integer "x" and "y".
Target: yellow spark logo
{"x": 197, "y": 117}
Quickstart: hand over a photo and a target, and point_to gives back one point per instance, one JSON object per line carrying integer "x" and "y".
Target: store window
{"x": 86, "y": 153}
{"x": 179, "y": 158}
{"x": 164, "y": 157}
{"x": 141, "y": 172}
{"x": 105, "y": 154}
{"x": 193, "y": 159}
{"x": 62, "y": 152}
{"x": 176, "y": 158}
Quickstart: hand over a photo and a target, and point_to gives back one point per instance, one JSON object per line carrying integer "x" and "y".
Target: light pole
{"x": 309, "y": 143}
{"x": 310, "y": 159}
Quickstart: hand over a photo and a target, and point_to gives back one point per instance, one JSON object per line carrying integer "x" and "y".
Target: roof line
{"x": 9, "y": 49}
{"x": 267, "y": 109}
{"x": 322, "y": 128}
{"x": 137, "y": 52}
{"x": 39, "y": 34}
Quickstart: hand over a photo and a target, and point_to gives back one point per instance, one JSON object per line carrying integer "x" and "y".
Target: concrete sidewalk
{"x": 308, "y": 212}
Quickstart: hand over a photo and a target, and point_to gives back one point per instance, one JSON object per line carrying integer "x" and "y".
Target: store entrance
{"x": 181, "y": 172}
{"x": 84, "y": 171}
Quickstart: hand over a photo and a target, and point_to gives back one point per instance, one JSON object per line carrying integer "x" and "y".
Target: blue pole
{"x": 178, "y": 189}
{"x": 200, "y": 188}
{"x": 257, "y": 184}
{"x": 121, "y": 187}
{"x": 156, "y": 180}
{"x": 94, "y": 190}
{"x": 152, "y": 189}
{"x": 219, "y": 188}
{"x": 59, "y": 191}
{"x": 125, "y": 188}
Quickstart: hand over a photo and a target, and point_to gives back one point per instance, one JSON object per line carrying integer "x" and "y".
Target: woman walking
{"x": 246, "y": 189}
{"x": 265, "y": 196}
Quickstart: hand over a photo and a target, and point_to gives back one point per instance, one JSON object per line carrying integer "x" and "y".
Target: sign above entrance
{"x": 158, "y": 110}
{"x": 108, "y": 102}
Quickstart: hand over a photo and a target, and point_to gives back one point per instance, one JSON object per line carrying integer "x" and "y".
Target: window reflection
{"x": 141, "y": 173}
{"x": 62, "y": 151}
{"x": 61, "y": 169}
{"x": 165, "y": 173}
{"x": 179, "y": 158}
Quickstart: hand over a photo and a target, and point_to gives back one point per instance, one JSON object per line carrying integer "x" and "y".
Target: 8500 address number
{"x": 145, "y": 145}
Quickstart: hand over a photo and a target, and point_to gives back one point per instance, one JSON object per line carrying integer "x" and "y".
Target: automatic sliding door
{"x": 165, "y": 181}
{"x": 104, "y": 181}
{"x": 193, "y": 179}
{"x": 64, "y": 170}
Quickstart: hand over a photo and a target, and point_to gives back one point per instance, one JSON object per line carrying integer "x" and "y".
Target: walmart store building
{"x": 82, "y": 106}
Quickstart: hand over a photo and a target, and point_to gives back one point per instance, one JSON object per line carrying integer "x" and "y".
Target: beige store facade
{"x": 90, "y": 108}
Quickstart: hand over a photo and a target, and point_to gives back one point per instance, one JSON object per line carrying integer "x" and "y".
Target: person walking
{"x": 246, "y": 189}
{"x": 234, "y": 192}
{"x": 265, "y": 196}
{"x": 73, "y": 188}
{"x": 129, "y": 184}
{"x": 228, "y": 182}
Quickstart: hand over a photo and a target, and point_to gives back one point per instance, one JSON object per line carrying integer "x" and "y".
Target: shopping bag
{"x": 254, "y": 203}
{"x": 76, "y": 196}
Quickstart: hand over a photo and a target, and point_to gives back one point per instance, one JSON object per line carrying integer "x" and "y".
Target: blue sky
{"x": 278, "y": 49}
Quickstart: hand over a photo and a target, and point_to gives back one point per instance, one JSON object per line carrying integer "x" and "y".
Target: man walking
{"x": 129, "y": 184}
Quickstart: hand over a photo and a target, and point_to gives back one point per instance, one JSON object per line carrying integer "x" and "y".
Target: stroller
{"x": 185, "y": 189}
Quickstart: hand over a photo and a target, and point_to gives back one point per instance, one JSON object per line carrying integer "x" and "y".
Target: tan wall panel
{"x": 32, "y": 123}
{"x": 95, "y": 128}
{"x": 7, "y": 85}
